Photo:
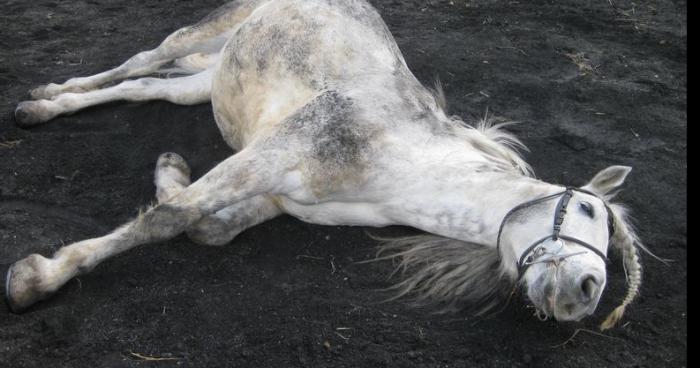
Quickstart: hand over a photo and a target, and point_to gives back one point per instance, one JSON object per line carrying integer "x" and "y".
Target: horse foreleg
{"x": 172, "y": 175}
{"x": 242, "y": 176}
{"x": 188, "y": 90}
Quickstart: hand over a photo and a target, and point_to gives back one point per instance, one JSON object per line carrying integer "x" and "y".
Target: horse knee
{"x": 163, "y": 222}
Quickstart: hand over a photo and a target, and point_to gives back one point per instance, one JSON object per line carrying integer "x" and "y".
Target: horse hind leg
{"x": 179, "y": 44}
{"x": 207, "y": 36}
{"x": 189, "y": 90}
{"x": 172, "y": 175}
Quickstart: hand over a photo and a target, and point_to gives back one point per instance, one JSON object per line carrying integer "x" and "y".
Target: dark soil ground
{"x": 595, "y": 83}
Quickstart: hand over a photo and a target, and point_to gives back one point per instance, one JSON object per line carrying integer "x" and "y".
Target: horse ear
{"x": 607, "y": 180}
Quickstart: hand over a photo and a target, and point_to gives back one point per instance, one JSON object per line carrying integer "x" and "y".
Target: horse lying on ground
{"x": 331, "y": 127}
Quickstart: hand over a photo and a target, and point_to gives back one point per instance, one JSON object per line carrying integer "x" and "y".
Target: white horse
{"x": 331, "y": 127}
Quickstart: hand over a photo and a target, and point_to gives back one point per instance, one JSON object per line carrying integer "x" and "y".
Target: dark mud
{"x": 595, "y": 83}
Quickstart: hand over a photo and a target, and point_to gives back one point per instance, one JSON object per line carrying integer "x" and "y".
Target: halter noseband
{"x": 536, "y": 253}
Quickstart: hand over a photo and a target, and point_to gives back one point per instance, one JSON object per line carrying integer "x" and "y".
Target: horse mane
{"x": 446, "y": 274}
{"x": 488, "y": 136}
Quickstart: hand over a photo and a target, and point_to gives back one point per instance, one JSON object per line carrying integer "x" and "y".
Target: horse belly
{"x": 288, "y": 52}
{"x": 335, "y": 213}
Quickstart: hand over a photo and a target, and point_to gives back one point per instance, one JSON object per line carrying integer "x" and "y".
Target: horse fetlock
{"x": 26, "y": 282}
{"x": 30, "y": 113}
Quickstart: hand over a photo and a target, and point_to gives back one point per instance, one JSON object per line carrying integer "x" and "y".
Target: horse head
{"x": 558, "y": 246}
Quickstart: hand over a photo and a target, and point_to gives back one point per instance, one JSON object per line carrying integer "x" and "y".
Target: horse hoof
{"x": 8, "y": 300}
{"x": 174, "y": 160}
{"x": 30, "y": 113}
{"x": 21, "y": 284}
{"x": 39, "y": 93}
{"x": 51, "y": 90}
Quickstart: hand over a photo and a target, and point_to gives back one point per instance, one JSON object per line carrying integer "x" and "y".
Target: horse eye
{"x": 587, "y": 208}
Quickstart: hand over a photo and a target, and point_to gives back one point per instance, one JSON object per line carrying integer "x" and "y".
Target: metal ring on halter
{"x": 530, "y": 256}
{"x": 542, "y": 255}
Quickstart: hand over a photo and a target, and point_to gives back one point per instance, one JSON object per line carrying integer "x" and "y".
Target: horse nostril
{"x": 589, "y": 288}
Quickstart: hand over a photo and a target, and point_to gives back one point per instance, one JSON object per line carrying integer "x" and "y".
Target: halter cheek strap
{"x": 536, "y": 253}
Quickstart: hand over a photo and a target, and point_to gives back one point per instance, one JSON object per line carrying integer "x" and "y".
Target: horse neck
{"x": 458, "y": 198}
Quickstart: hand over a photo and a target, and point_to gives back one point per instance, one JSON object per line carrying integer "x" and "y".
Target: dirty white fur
{"x": 332, "y": 127}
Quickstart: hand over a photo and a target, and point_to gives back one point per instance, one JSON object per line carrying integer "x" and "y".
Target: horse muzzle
{"x": 566, "y": 296}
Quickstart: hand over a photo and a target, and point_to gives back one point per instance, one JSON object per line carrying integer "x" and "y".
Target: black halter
{"x": 534, "y": 252}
